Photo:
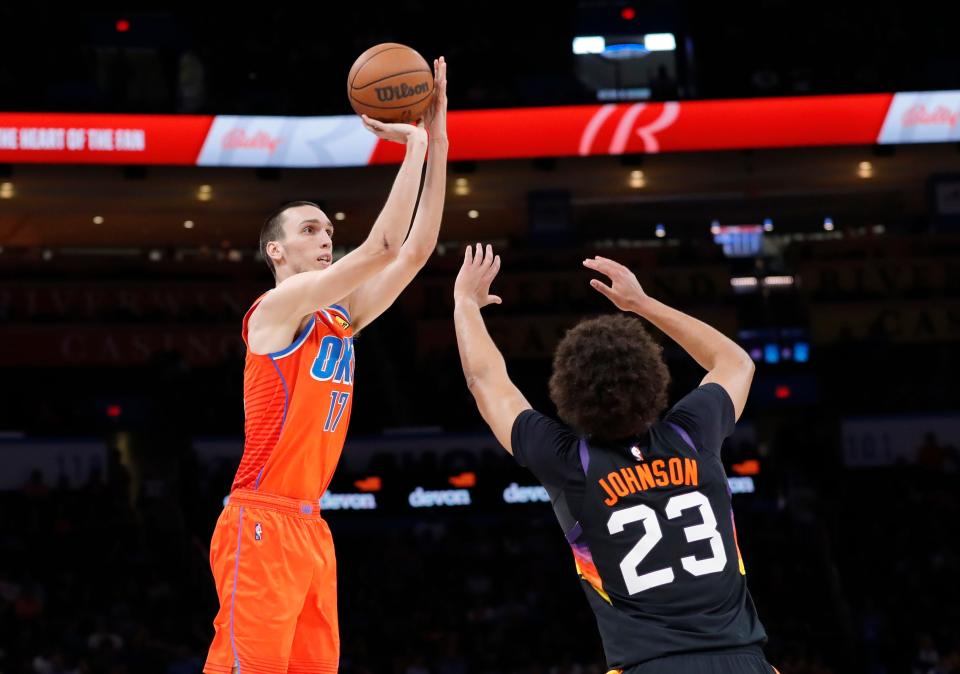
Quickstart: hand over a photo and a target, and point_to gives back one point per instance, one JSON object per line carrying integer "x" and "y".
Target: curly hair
{"x": 609, "y": 378}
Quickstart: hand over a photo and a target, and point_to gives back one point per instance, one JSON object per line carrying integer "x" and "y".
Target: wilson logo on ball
{"x": 404, "y": 90}
{"x": 390, "y": 82}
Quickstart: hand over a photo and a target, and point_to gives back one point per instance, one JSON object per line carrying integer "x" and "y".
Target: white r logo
{"x": 668, "y": 115}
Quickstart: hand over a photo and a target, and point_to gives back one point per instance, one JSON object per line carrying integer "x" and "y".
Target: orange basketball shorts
{"x": 275, "y": 571}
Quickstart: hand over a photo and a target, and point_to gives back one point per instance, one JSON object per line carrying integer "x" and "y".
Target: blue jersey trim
{"x": 341, "y": 310}
{"x": 297, "y": 342}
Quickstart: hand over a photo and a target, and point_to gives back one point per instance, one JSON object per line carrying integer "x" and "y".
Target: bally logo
{"x": 239, "y": 139}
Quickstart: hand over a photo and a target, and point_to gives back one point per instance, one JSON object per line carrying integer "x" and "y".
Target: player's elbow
{"x": 473, "y": 383}
{"x": 744, "y": 368}
{"x": 741, "y": 365}
{"x": 479, "y": 385}
{"x": 381, "y": 251}
{"x": 415, "y": 255}
{"x": 389, "y": 248}
{"x": 735, "y": 360}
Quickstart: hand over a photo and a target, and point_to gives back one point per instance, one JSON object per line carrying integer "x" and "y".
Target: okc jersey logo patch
{"x": 342, "y": 322}
{"x": 258, "y": 532}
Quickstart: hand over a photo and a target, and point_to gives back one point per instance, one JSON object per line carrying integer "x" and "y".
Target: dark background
{"x": 853, "y": 569}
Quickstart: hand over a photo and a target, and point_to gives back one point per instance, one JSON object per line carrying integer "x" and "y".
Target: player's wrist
{"x": 641, "y": 305}
{"x": 464, "y": 300}
{"x": 416, "y": 143}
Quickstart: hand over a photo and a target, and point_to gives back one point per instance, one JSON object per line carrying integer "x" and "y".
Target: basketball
{"x": 390, "y": 82}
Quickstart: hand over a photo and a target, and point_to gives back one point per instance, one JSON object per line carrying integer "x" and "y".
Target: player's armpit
{"x": 274, "y": 322}
{"x": 500, "y": 403}
{"x": 376, "y": 295}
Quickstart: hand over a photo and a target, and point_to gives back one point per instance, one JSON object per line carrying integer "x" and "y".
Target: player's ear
{"x": 275, "y": 251}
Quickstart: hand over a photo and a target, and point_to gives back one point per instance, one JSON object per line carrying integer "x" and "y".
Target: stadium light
{"x": 660, "y": 42}
{"x": 589, "y": 44}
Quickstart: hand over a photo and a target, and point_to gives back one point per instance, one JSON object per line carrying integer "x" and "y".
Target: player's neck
{"x": 283, "y": 275}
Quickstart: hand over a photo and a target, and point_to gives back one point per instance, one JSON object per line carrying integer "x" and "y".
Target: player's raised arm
{"x": 375, "y": 296}
{"x": 499, "y": 400}
{"x": 726, "y": 363}
{"x": 304, "y": 291}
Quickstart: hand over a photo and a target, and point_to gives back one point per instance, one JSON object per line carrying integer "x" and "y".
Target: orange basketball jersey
{"x": 297, "y": 404}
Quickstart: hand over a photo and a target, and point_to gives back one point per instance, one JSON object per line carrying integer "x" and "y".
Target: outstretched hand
{"x": 624, "y": 289}
{"x": 476, "y": 275}
{"x": 435, "y": 116}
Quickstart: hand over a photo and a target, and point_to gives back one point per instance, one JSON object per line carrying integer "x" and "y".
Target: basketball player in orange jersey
{"x": 272, "y": 554}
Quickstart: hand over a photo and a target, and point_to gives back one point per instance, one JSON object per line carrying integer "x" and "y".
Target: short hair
{"x": 609, "y": 378}
{"x": 272, "y": 229}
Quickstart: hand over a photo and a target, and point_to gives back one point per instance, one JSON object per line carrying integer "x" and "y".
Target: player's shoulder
{"x": 248, "y": 316}
{"x": 254, "y": 306}
{"x": 709, "y": 393}
{"x": 535, "y": 430}
{"x": 703, "y": 417}
{"x": 705, "y": 400}
{"x": 532, "y": 421}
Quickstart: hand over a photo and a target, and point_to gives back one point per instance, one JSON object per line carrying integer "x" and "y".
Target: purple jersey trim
{"x": 574, "y": 533}
{"x": 683, "y": 434}
{"x": 584, "y": 456}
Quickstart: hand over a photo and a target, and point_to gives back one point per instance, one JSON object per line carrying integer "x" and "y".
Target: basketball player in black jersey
{"x": 643, "y": 501}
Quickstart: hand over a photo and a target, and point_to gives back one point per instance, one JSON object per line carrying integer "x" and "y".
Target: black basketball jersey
{"x": 651, "y": 528}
